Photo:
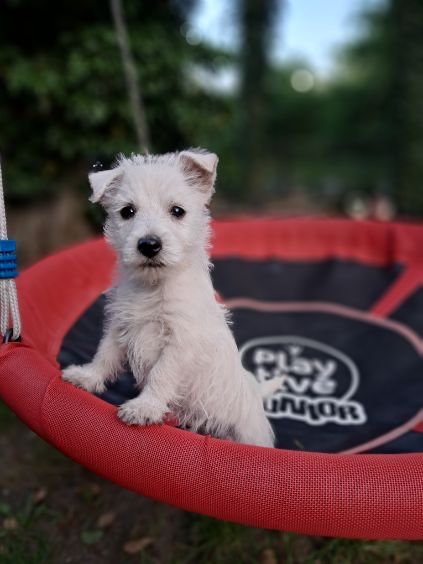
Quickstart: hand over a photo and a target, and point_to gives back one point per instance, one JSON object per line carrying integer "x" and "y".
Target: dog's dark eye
{"x": 127, "y": 212}
{"x": 177, "y": 212}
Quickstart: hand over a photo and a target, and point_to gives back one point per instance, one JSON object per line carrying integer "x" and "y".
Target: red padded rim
{"x": 316, "y": 239}
{"x": 356, "y": 496}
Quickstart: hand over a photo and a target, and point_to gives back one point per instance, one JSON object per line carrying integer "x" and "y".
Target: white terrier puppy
{"x": 162, "y": 315}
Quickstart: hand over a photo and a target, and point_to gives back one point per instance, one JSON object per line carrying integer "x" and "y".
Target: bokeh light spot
{"x": 302, "y": 80}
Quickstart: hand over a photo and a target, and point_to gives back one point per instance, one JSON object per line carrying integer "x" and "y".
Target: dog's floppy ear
{"x": 200, "y": 168}
{"x": 103, "y": 181}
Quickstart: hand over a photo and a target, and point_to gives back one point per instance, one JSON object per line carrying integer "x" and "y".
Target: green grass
{"x": 219, "y": 541}
{"x": 208, "y": 541}
{"x": 24, "y": 544}
{"x": 200, "y": 540}
{"x": 212, "y": 541}
{"x": 25, "y": 549}
{"x": 7, "y": 418}
{"x": 366, "y": 552}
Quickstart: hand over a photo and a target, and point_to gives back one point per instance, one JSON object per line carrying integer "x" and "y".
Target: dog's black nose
{"x": 149, "y": 246}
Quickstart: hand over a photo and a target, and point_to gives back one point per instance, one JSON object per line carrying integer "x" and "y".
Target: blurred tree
{"x": 131, "y": 76}
{"x": 293, "y": 133}
{"x": 63, "y": 104}
{"x": 256, "y": 18}
{"x": 373, "y": 121}
{"x": 406, "y": 20}
{"x": 357, "y": 117}
{"x": 62, "y": 100}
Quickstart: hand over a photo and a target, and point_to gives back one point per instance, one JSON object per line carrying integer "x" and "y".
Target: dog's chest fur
{"x": 141, "y": 323}
{"x": 148, "y": 319}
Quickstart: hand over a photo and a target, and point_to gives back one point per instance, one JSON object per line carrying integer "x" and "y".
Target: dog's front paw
{"x": 142, "y": 411}
{"x": 85, "y": 377}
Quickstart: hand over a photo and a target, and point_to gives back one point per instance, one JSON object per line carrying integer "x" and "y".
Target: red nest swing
{"x": 337, "y": 304}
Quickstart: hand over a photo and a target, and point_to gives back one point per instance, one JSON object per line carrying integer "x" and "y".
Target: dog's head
{"x": 156, "y": 208}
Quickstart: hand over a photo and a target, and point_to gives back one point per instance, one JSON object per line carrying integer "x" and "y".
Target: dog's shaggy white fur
{"x": 162, "y": 314}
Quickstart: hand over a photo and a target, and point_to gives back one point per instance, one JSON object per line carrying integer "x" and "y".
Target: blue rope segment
{"x": 8, "y": 266}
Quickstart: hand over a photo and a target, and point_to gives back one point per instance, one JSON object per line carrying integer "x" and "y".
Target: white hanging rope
{"x": 9, "y": 308}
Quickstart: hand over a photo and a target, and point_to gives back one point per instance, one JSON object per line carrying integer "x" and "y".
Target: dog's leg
{"x": 160, "y": 390}
{"x": 104, "y": 367}
{"x": 253, "y": 427}
{"x": 256, "y": 431}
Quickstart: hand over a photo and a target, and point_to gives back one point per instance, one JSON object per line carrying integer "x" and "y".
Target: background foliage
{"x": 63, "y": 102}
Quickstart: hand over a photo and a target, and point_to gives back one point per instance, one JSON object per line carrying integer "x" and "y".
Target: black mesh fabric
{"x": 308, "y": 346}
